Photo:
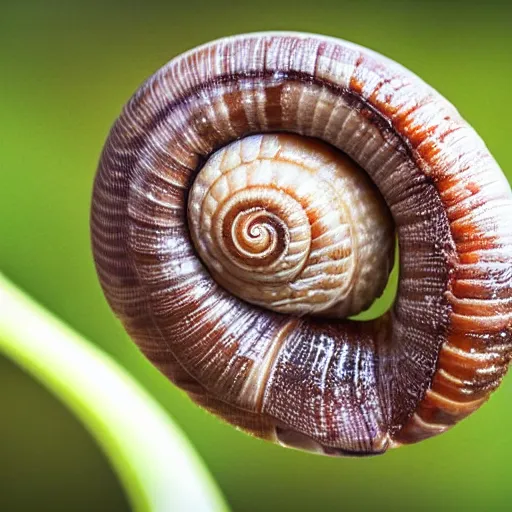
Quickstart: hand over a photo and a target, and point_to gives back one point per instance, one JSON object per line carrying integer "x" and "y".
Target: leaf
{"x": 156, "y": 464}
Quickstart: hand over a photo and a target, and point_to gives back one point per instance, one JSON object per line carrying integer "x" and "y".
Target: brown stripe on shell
{"x": 341, "y": 387}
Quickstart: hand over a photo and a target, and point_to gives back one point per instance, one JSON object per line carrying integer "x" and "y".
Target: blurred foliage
{"x": 47, "y": 456}
{"x": 67, "y": 69}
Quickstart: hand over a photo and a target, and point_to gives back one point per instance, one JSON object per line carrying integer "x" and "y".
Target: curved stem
{"x": 157, "y": 466}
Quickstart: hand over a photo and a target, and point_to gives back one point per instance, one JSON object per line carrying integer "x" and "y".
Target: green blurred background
{"x": 66, "y": 69}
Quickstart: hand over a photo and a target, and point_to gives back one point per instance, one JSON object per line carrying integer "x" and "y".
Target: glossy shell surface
{"x": 336, "y": 386}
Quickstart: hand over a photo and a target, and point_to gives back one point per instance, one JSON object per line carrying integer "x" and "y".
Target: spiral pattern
{"x": 290, "y": 224}
{"x": 214, "y": 192}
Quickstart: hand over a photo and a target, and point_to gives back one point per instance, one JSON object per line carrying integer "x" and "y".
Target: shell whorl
{"x": 161, "y": 210}
{"x": 289, "y": 224}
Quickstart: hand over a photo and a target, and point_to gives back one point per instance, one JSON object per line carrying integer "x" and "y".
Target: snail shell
{"x": 245, "y": 206}
{"x": 287, "y": 223}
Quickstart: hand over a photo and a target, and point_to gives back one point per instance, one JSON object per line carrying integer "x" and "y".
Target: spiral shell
{"x": 289, "y": 224}
{"x": 242, "y": 210}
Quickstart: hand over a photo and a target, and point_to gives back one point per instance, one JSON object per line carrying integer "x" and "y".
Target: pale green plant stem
{"x": 157, "y": 467}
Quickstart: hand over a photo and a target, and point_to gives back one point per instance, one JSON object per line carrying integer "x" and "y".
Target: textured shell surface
{"x": 246, "y": 206}
{"x": 286, "y": 223}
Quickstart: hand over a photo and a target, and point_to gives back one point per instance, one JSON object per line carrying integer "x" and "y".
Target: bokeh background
{"x": 66, "y": 69}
